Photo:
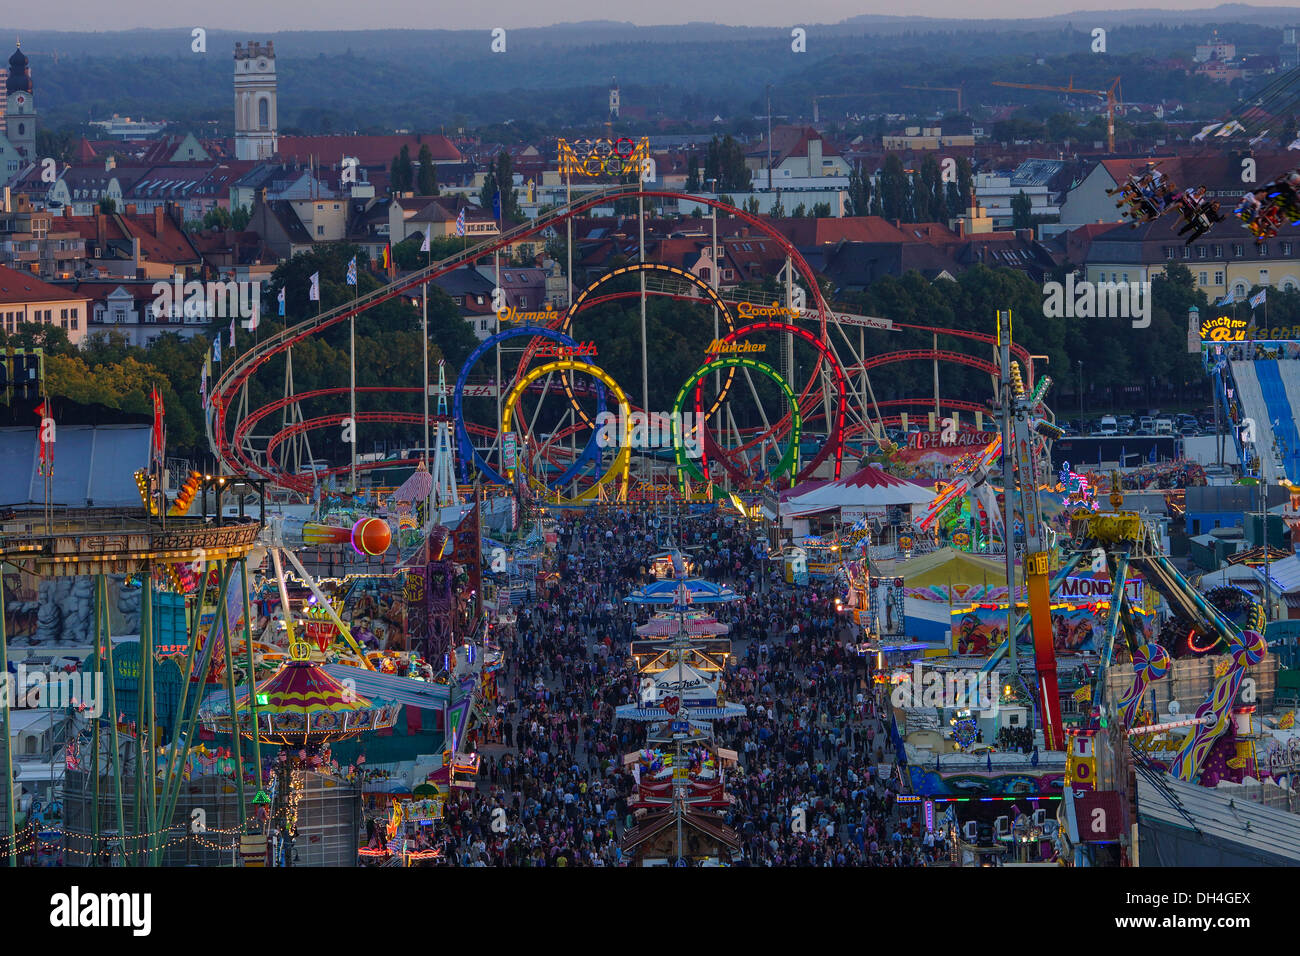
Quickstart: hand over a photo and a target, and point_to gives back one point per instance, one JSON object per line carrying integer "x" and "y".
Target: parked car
{"x": 1145, "y": 431}
{"x": 1125, "y": 423}
{"x": 1107, "y": 426}
{"x": 1188, "y": 431}
{"x": 1146, "y": 421}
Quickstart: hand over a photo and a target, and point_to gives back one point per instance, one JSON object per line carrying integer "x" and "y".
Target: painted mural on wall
{"x": 928, "y": 782}
{"x": 59, "y": 611}
{"x": 376, "y": 611}
{"x": 980, "y": 630}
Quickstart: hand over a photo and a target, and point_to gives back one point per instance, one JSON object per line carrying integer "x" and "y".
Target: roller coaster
{"x": 834, "y": 403}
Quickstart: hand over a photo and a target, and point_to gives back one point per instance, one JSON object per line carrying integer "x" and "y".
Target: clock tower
{"x": 255, "y": 112}
{"x": 20, "y": 107}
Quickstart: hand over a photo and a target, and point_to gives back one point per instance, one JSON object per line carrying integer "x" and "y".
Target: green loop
{"x": 684, "y": 464}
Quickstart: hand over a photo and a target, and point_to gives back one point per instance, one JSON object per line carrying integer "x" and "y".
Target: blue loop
{"x": 592, "y": 451}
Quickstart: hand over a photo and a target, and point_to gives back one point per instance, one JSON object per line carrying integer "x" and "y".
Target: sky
{"x": 95, "y": 15}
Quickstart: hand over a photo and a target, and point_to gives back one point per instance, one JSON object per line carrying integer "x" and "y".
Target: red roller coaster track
{"x": 231, "y": 451}
{"x": 243, "y": 367}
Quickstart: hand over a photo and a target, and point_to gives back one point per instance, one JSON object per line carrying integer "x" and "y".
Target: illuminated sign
{"x": 565, "y": 351}
{"x": 528, "y": 318}
{"x": 1223, "y": 328}
{"x": 722, "y": 347}
{"x": 747, "y": 310}
{"x": 926, "y": 440}
{"x": 603, "y": 157}
{"x": 1082, "y": 590}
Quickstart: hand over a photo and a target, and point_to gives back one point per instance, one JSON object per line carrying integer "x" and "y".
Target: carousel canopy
{"x": 659, "y": 626}
{"x": 698, "y": 591}
{"x": 686, "y": 682}
{"x": 950, "y": 567}
{"x": 869, "y": 487}
{"x": 415, "y": 488}
{"x": 300, "y": 701}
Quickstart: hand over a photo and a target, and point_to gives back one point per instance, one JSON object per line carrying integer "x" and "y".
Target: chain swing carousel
{"x": 304, "y": 710}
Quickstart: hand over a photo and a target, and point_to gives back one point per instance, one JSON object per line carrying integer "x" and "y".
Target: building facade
{"x": 256, "y": 121}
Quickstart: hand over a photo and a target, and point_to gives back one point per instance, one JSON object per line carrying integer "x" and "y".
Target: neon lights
{"x": 747, "y": 310}
{"x": 565, "y": 351}
{"x": 619, "y": 470}
{"x": 835, "y": 440}
{"x": 602, "y": 157}
{"x": 719, "y": 347}
{"x": 707, "y": 290}
{"x": 468, "y": 453}
{"x": 788, "y": 458}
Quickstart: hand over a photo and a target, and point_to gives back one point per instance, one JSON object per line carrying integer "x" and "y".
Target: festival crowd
{"x": 816, "y": 784}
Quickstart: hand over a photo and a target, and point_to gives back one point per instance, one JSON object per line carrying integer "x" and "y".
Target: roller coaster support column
{"x": 8, "y": 767}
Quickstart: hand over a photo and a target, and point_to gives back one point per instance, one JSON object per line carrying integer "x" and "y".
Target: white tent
{"x": 686, "y": 682}
{"x": 869, "y": 488}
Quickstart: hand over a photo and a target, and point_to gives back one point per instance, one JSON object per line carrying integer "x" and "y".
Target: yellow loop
{"x": 619, "y": 470}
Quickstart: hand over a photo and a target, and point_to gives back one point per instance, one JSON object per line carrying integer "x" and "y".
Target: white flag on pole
{"x": 313, "y": 294}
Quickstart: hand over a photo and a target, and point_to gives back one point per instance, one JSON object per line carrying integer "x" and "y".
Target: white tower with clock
{"x": 255, "y": 113}
{"x": 20, "y": 107}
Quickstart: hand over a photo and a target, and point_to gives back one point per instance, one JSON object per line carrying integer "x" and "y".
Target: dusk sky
{"x": 80, "y": 15}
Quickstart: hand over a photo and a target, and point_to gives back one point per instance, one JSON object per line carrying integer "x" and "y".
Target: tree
{"x": 401, "y": 176}
{"x": 895, "y": 189}
{"x": 693, "y": 173}
{"x": 239, "y": 218}
{"x": 732, "y": 171}
{"x": 216, "y": 218}
{"x": 821, "y": 210}
{"x": 859, "y": 191}
{"x": 428, "y": 176}
{"x": 713, "y": 166}
{"x": 799, "y": 212}
{"x": 930, "y": 204}
{"x": 751, "y": 205}
{"x": 957, "y": 195}
{"x": 108, "y": 205}
{"x": 498, "y": 179}
{"x": 1022, "y": 216}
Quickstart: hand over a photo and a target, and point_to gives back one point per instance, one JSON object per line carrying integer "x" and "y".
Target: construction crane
{"x": 941, "y": 89}
{"x": 1112, "y": 96}
{"x": 829, "y": 96}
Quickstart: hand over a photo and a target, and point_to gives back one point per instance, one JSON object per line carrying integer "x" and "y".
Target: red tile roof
{"x": 818, "y": 232}
{"x": 18, "y": 286}
{"x": 369, "y": 150}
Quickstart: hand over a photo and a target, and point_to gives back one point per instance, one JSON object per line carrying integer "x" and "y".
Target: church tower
{"x": 255, "y": 112}
{"x": 20, "y": 107}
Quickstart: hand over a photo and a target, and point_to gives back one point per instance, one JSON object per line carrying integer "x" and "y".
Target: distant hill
{"x": 556, "y": 76}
